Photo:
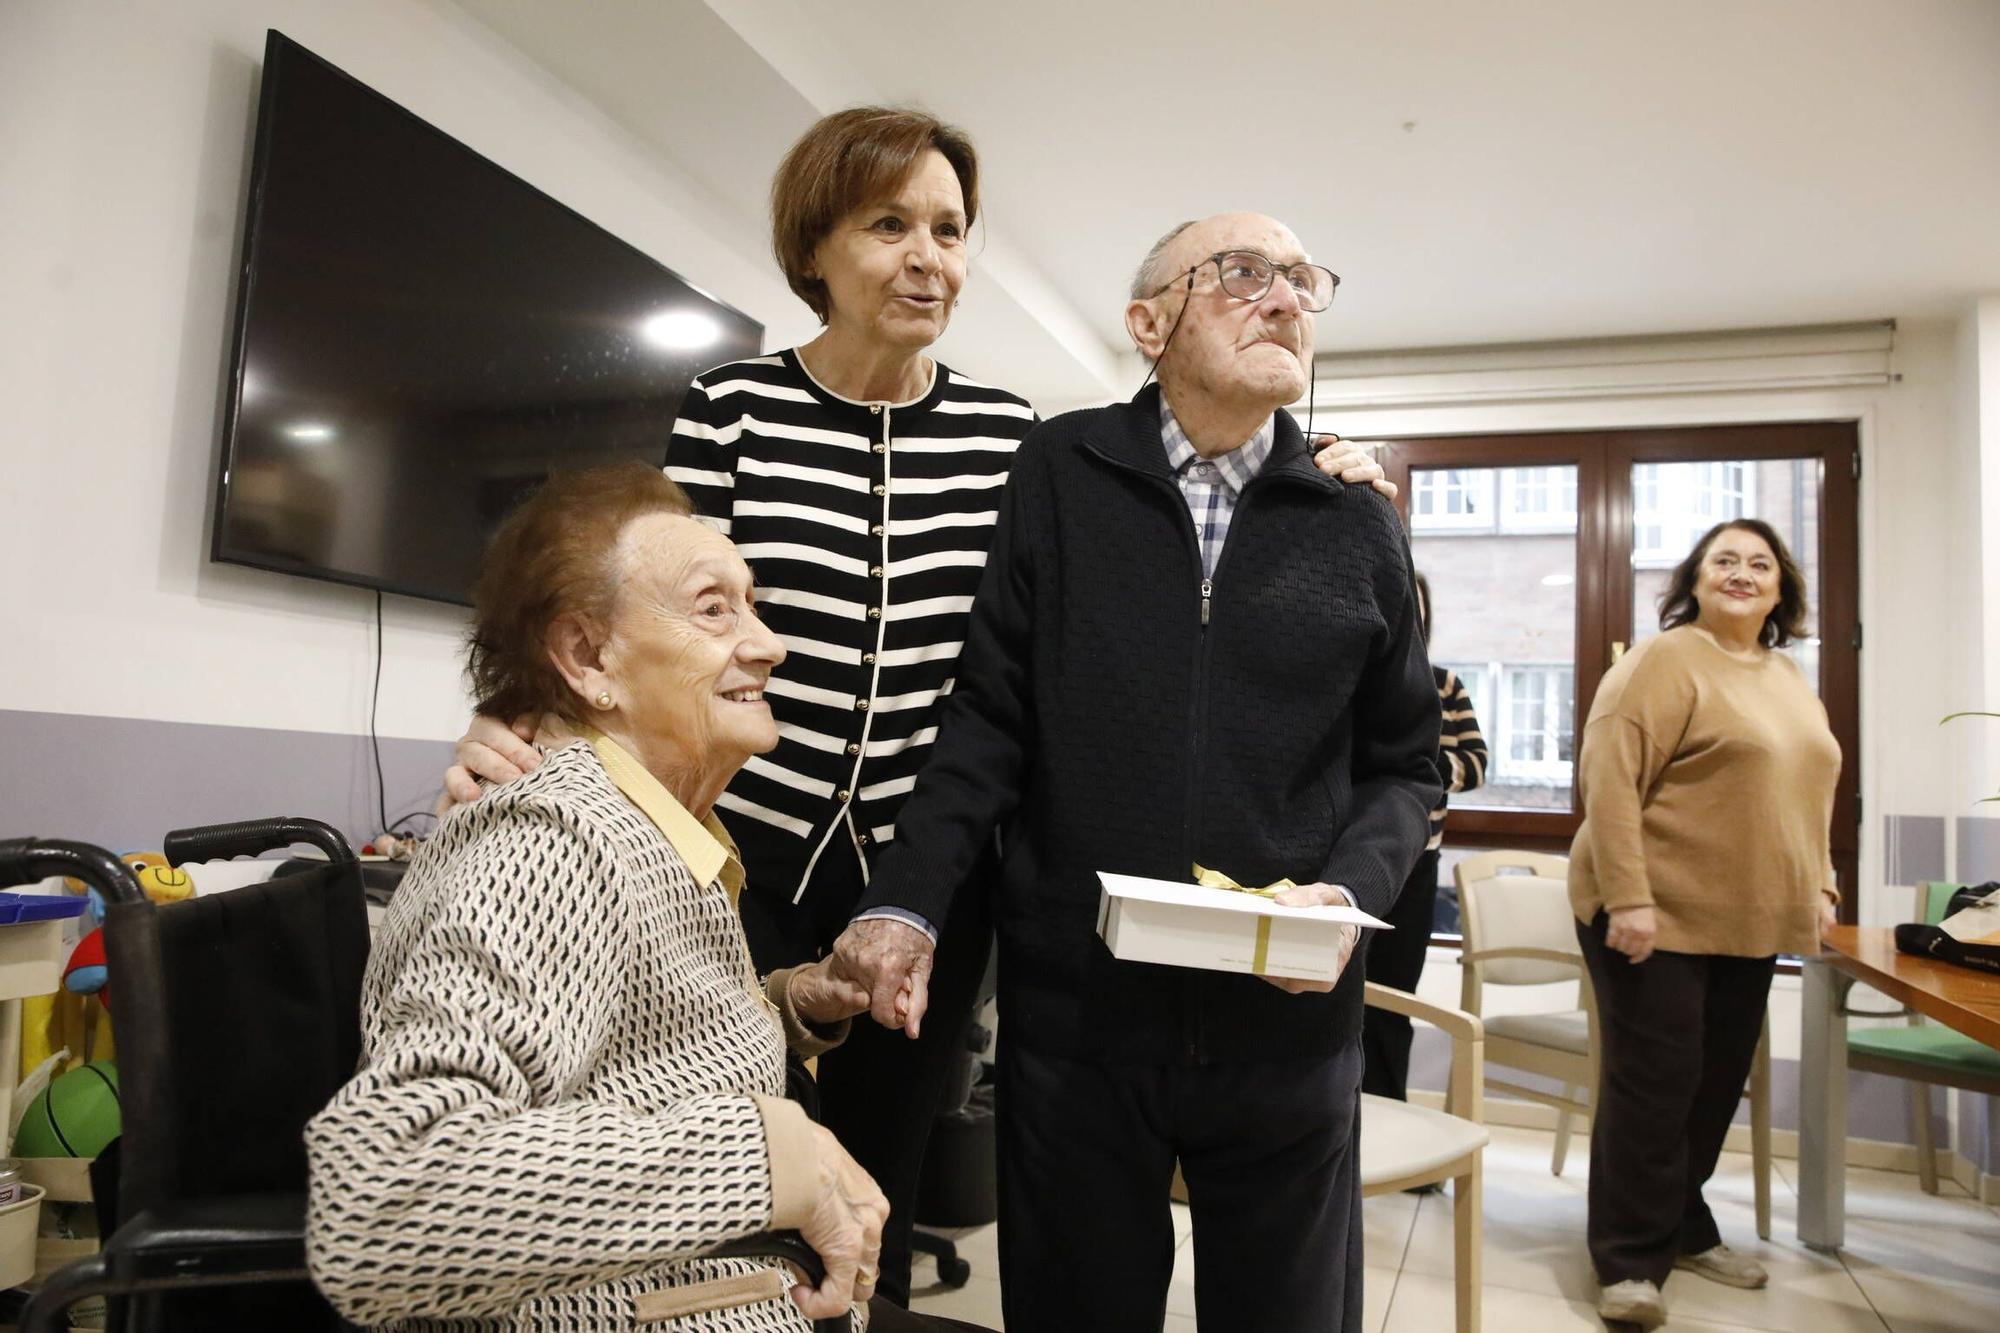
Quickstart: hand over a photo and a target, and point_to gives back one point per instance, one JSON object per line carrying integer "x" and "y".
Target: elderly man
{"x": 1189, "y": 646}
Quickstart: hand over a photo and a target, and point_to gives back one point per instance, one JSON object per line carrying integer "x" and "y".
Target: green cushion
{"x": 1932, "y": 1046}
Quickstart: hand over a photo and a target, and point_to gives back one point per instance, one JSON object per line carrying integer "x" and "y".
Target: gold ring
{"x": 868, "y": 1275}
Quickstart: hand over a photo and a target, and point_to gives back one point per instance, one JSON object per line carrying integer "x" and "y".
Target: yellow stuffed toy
{"x": 79, "y": 1023}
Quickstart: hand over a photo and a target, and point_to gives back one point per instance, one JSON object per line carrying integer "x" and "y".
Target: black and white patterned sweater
{"x": 570, "y": 1083}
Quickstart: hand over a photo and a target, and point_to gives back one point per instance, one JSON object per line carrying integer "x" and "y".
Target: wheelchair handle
{"x": 249, "y": 837}
{"x": 26, "y": 860}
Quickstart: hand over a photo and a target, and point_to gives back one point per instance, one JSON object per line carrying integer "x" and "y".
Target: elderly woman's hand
{"x": 822, "y": 998}
{"x": 845, "y": 1229}
{"x": 491, "y": 749}
{"x": 1350, "y": 464}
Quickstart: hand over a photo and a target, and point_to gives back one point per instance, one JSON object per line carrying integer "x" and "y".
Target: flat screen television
{"x": 421, "y": 338}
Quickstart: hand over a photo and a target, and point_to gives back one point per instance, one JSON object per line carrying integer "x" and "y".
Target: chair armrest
{"x": 1567, "y": 959}
{"x": 1458, "y": 1024}
{"x": 791, "y": 1248}
{"x": 218, "y": 1242}
{"x": 1467, "y": 1095}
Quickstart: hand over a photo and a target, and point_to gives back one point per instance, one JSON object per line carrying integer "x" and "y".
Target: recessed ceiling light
{"x": 309, "y": 432}
{"x": 1558, "y": 580}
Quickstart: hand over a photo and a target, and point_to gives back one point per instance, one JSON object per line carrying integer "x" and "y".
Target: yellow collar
{"x": 704, "y": 844}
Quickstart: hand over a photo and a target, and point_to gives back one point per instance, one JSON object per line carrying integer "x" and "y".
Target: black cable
{"x": 1171, "y": 331}
{"x": 375, "y": 741}
{"x": 374, "y": 702}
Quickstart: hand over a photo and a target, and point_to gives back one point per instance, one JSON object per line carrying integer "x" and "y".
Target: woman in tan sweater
{"x": 1706, "y": 777}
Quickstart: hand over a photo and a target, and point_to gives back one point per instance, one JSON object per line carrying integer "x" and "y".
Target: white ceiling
{"x": 1477, "y": 171}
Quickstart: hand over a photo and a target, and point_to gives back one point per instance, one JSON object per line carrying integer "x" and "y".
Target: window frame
{"x": 1604, "y": 461}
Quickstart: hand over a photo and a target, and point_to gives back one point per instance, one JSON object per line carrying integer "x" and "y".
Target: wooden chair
{"x": 1929, "y": 1055}
{"x": 1404, "y": 1146}
{"x": 1519, "y": 931}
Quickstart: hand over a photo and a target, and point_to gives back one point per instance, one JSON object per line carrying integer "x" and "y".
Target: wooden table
{"x": 1958, "y": 997}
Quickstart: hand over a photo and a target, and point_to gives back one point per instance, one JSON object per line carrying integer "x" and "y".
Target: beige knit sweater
{"x": 571, "y": 1081}
{"x": 1707, "y": 785}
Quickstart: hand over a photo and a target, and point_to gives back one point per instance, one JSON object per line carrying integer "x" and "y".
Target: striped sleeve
{"x": 1461, "y": 749}
{"x": 701, "y": 456}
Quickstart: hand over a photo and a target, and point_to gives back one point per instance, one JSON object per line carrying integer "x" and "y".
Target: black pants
{"x": 1678, "y": 1034}
{"x": 1396, "y": 958}
{"x": 1268, "y": 1150}
{"x": 879, "y": 1090}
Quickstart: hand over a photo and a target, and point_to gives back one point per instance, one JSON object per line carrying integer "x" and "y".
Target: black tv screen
{"x": 421, "y": 338}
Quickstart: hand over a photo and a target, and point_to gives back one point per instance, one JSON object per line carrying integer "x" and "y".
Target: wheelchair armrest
{"x": 215, "y": 1238}
{"x": 228, "y": 1240}
{"x": 789, "y": 1246}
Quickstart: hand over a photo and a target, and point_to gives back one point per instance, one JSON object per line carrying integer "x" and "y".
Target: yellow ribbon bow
{"x": 1215, "y": 879}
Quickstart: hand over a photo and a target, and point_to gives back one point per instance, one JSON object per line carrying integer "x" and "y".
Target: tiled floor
{"x": 1913, "y": 1263}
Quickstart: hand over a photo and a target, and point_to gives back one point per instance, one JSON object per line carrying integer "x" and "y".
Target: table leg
{"x": 1823, "y": 1110}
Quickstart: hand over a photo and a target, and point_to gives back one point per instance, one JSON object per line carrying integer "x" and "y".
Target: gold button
{"x": 881, "y": 490}
{"x": 875, "y": 572}
{"x": 861, "y": 704}
{"x": 868, "y": 659}
{"x": 854, "y": 747}
{"x": 874, "y": 613}
{"x": 861, "y": 838}
{"x": 881, "y": 448}
{"x": 844, "y": 796}
{"x": 875, "y": 531}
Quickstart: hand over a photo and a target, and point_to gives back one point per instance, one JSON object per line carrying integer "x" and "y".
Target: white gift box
{"x": 1221, "y": 930}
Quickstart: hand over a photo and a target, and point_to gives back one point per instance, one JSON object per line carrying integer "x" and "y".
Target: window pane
{"x": 1674, "y": 504}
{"x": 1503, "y": 592}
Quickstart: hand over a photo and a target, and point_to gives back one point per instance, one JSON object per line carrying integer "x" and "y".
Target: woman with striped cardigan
{"x": 1396, "y": 957}
{"x": 861, "y": 479}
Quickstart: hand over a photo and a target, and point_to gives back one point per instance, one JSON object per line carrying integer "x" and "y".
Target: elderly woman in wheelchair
{"x": 572, "y": 1089}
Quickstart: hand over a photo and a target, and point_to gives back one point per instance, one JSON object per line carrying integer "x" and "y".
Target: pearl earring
{"x": 603, "y": 699}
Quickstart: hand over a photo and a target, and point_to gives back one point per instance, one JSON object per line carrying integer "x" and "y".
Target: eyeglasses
{"x": 1247, "y": 275}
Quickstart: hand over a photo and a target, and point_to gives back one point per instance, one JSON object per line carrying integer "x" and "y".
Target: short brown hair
{"x": 847, "y": 159}
{"x": 1787, "y": 620}
{"x": 556, "y": 553}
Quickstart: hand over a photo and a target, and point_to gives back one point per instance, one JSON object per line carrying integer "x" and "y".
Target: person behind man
{"x": 1397, "y": 957}
{"x": 1188, "y": 646}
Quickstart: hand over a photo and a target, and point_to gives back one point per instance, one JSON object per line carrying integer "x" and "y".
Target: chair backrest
{"x": 1511, "y": 901}
{"x": 238, "y": 1017}
{"x": 1933, "y": 900}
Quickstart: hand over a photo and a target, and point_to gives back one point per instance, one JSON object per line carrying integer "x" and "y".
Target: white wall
{"x": 125, "y": 135}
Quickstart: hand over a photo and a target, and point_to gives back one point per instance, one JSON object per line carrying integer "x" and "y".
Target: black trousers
{"x": 1678, "y": 1034}
{"x": 879, "y": 1090}
{"x": 1268, "y": 1150}
{"x": 1396, "y": 958}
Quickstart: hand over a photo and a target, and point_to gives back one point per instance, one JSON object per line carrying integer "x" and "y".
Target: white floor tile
{"x": 1912, "y": 1305}
{"x": 1386, "y": 1220}
{"x": 977, "y": 1302}
{"x": 1516, "y": 1255}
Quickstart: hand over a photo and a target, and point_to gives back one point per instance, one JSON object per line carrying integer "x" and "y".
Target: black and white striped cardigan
{"x": 867, "y": 526}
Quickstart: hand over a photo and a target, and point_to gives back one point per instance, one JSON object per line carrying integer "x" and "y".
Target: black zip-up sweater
{"x": 1114, "y": 712}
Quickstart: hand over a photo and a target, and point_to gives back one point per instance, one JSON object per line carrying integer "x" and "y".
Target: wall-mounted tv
{"x": 421, "y": 338}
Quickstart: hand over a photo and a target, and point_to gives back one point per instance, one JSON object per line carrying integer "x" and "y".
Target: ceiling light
{"x": 309, "y": 432}
{"x": 1558, "y": 580}
{"x": 680, "y": 330}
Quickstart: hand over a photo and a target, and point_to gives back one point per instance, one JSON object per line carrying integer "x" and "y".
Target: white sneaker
{"x": 1635, "y": 1301}
{"x": 1731, "y": 1268}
